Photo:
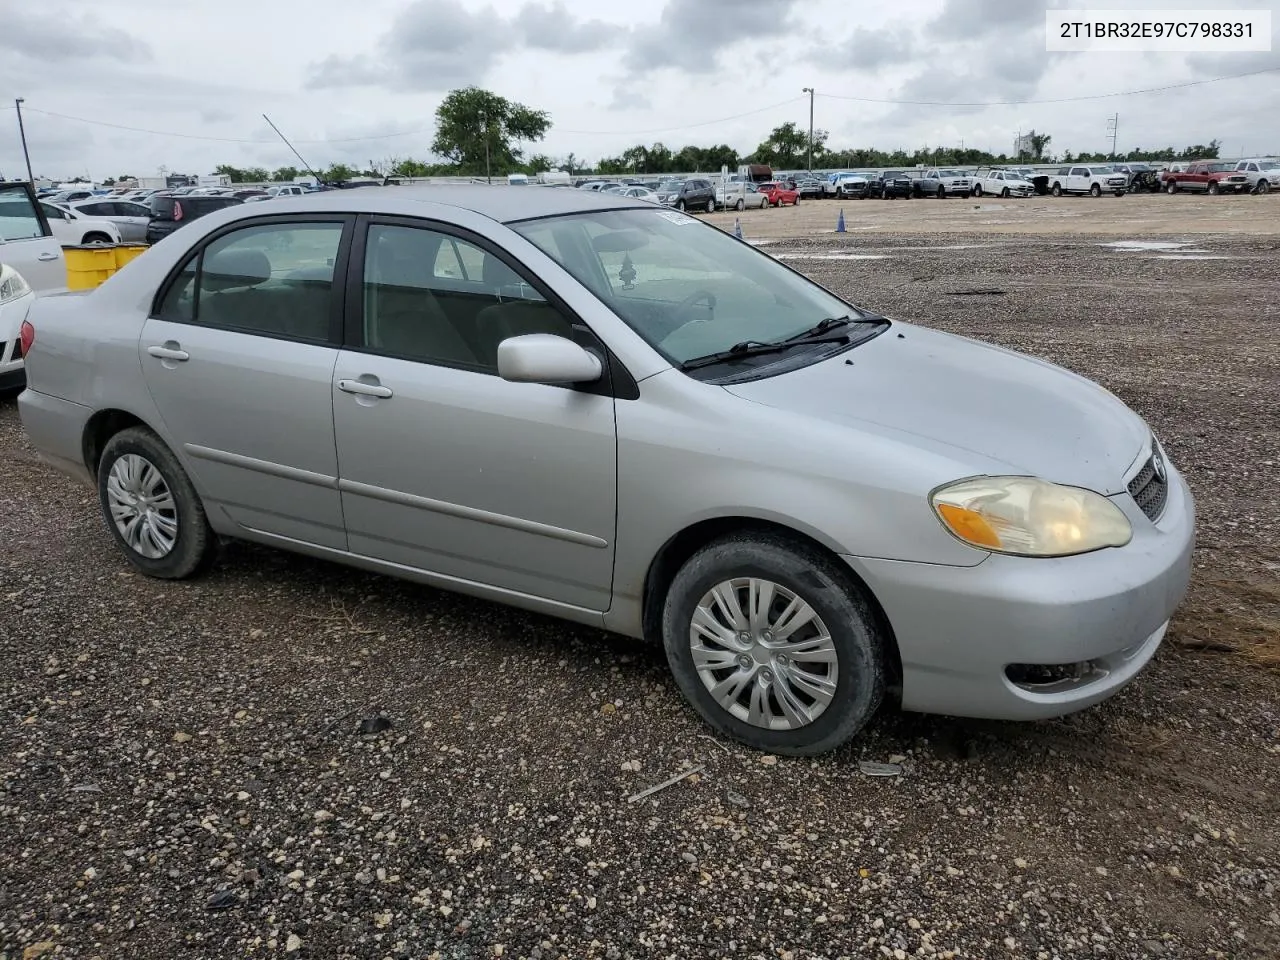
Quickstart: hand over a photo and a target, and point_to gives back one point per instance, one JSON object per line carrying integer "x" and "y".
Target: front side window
{"x": 436, "y": 298}
{"x": 688, "y": 289}
{"x": 274, "y": 279}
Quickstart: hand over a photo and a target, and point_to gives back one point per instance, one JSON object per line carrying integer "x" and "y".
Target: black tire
{"x": 1095, "y": 191}
{"x": 1171, "y": 187}
{"x": 821, "y": 583}
{"x": 1120, "y": 193}
{"x": 1004, "y": 194}
{"x": 977, "y": 190}
{"x": 1262, "y": 187}
{"x": 942, "y": 192}
{"x": 711, "y": 206}
{"x": 680, "y": 205}
{"x": 195, "y": 545}
{"x": 1057, "y": 190}
{"x": 740, "y": 205}
{"x": 96, "y": 237}
{"x": 1213, "y": 188}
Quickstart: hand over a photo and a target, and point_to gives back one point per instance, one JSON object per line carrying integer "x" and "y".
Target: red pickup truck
{"x": 1209, "y": 176}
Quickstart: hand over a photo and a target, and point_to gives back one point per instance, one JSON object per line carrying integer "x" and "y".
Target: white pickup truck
{"x": 1093, "y": 180}
{"x": 942, "y": 183}
{"x": 1263, "y": 174}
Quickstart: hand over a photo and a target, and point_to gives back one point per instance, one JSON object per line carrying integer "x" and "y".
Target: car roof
{"x": 499, "y": 203}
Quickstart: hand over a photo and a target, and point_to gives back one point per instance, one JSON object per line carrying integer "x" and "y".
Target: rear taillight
{"x": 26, "y": 337}
{"x": 177, "y": 210}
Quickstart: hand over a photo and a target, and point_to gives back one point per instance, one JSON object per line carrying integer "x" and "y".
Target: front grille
{"x": 1150, "y": 489}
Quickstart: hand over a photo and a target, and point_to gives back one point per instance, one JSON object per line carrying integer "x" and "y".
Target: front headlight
{"x": 1029, "y": 517}
{"x": 12, "y": 285}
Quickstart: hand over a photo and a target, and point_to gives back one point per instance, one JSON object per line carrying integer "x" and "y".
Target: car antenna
{"x": 304, "y": 163}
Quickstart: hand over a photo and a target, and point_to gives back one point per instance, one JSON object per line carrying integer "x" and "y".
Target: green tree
{"x": 284, "y": 174}
{"x": 336, "y": 173}
{"x": 411, "y": 168}
{"x": 257, "y": 175}
{"x": 569, "y": 163}
{"x": 1038, "y": 142}
{"x": 538, "y": 163}
{"x": 785, "y": 144}
{"x": 235, "y": 173}
{"x": 478, "y": 131}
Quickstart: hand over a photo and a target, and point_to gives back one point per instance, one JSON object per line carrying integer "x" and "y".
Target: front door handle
{"x": 168, "y": 351}
{"x": 46, "y": 257}
{"x": 361, "y": 388}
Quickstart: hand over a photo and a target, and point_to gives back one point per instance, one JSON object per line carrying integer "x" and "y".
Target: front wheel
{"x": 1213, "y": 189}
{"x": 680, "y": 205}
{"x": 96, "y": 239}
{"x": 942, "y": 193}
{"x": 1004, "y": 194}
{"x": 772, "y": 645}
{"x": 740, "y": 205}
{"x": 711, "y": 206}
{"x": 1095, "y": 191}
{"x": 1120, "y": 193}
{"x": 1171, "y": 187}
{"x": 151, "y": 507}
{"x": 1057, "y": 190}
{"x": 1263, "y": 186}
{"x": 977, "y": 190}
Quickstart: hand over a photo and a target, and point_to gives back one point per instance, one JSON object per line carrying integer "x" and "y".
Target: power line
{"x": 1013, "y": 103}
{"x": 692, "y": 126}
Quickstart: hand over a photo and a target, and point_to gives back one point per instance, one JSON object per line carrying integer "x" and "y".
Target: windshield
{"x": 687, "y": 288}
{"x": 671, "y": 186}
{"x": 948, "y": 173}
{"x": 1268, "y": 165}
{"x": 1101, "y": 170}
{"x": 1220, "y": 167}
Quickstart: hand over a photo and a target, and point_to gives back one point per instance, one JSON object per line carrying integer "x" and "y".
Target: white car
{"x": 71, "y": 228}
{"x": 1263, "y": 173}
{"x": 1002, "y": 183}
{"x": 26, "y": 242}
{"x": 741, "y": 195}
{"x": 848, "y": 185}
{"x": 130, "y": 218}
{"x": 1093, "y": 180}
{"x": 640, "y": 193}
{"x": 16, "y": 296}
{"x": 286, "y": 190}
{"x": 943, "y": 183}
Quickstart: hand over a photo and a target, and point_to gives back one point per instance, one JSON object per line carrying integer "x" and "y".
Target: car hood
{"x": 1018, "y": 414}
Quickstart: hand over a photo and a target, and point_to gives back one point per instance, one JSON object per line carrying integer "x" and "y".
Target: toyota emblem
{"x": 1157, "y": 464}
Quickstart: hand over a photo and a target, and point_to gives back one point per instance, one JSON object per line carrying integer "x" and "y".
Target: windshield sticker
{"x": 675, "y": 217}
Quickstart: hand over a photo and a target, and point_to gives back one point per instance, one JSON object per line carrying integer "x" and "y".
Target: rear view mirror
{"x": 619, "y": 241}
{"x": 546, "y": 358}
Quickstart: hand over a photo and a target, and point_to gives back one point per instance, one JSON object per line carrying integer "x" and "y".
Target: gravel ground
{"x": 183, "y": 772}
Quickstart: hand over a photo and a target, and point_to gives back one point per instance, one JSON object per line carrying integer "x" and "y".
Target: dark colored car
{"x": 896, "y": 183}
{"x": 1142, "y": 176}
{"x": 170, "y": 213}
{"x": 692, "y": 194}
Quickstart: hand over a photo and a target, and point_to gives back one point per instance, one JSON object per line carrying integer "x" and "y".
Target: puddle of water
{"x": 1188, "y": 256}
{"x": 1139, "y": 246}
{"x": 833, "y": 256}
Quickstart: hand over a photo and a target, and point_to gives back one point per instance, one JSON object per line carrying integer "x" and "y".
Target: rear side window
{"x": 274, "y": 280}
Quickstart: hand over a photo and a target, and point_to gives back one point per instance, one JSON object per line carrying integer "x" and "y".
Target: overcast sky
{"x": 610, "y": 73}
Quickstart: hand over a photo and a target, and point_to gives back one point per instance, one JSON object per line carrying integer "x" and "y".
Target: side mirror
{"x": 546, "y": 358}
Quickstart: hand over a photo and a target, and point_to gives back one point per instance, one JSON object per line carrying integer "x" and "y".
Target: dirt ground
{"x": 1146, "y": 214}
{"x": 181, "y": 772}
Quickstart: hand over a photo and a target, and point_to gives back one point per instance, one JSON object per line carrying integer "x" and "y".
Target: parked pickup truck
{"x": 1091, "y": 180}
{"x": 1263, "y": 174}
{"x": 942, "y": 183}
{"x": 1208, "y": 176}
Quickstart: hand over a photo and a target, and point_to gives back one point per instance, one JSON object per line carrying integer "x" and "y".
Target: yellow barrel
{"x": 88, "y": 265}
{"x": 124, "y": 252}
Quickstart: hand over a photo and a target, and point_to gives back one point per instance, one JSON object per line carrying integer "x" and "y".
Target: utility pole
{"x": 1113, "y": 129}
{"x": 22, "y": 134}
{"x": 809, "y": 91}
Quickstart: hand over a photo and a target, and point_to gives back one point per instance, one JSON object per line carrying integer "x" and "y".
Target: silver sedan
{"x": 606, "y": 411}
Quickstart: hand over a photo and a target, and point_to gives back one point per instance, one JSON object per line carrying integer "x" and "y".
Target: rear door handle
{"x": 168, "y": 351}
{"x": 46, "y": 257}
{"x": 365, "y": 389}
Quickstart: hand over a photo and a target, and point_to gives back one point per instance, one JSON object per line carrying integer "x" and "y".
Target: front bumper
{"x": 959, "y": 629}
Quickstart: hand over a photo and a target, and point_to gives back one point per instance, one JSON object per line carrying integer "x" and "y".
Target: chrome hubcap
{"x": 763, "y": 653}
{"x": 142, "y": 507}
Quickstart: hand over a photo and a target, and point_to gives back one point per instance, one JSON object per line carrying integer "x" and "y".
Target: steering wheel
{"x": 698, "y": 296}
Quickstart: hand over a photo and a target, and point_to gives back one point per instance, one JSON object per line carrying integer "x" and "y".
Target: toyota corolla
{"x": 585, "y": 405}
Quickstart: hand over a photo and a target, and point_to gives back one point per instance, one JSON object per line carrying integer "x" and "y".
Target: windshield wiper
{"x": 754, "y": 348}
{"x": 830, "y": 323}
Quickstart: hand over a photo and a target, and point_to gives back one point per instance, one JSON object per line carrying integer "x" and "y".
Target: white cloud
{"x": 611, "y": 74}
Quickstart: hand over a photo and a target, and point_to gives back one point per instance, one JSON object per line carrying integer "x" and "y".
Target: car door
{"x": 132, "y": 220}
{"x": 238, "y": 356}
{"x": 27, "y": 243}
{"x": 446, "y": 467}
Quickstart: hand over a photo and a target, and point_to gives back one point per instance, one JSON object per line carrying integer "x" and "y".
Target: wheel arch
{"x": 673, "y": 554}
{"x": 100, "y": 428}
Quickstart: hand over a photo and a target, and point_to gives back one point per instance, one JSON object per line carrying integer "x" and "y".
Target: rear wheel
{"x": 977, "y": 190}
{"x": 772, "y": 645}
{"x": 96, "y": 239}
{"x": 151, "y": 507}
{"x": 1095, "y": 191}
